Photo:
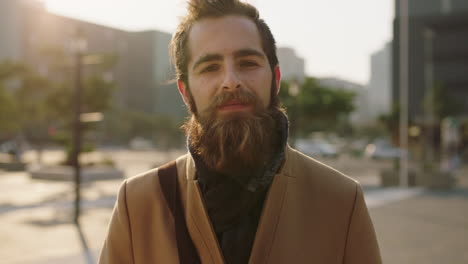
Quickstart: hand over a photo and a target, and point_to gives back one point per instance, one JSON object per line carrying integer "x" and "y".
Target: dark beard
{"x": 234, "y": 142}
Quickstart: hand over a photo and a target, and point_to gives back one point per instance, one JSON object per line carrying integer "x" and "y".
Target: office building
{"x": 379, "y": 87}
{"x": 292, "y": 66}
{"x": 438, "y": 54}
{"x": 142, "y": 72}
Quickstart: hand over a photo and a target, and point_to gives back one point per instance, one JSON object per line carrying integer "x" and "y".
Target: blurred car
{"x": 357, "y": 147}
{"x": 381, "y": 149}
{"x": 139, "y": 143}
{"x": 316, "y": 148}
{"x": 10, "y": 147}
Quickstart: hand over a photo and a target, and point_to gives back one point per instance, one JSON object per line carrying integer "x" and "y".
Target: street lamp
{"x": 79, "y": 46}
{"x": 404, "y": 67}
{"x": 430, "y": 114}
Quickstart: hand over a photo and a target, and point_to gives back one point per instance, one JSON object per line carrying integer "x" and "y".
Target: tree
{"x": 38, "y": 103}
{"x": 316, "y": 107}
{"x": 439, "y": 103}
{"x": 34, "y": 114}
{"x": 391, "y": 122}
{"x": 9, "y": 72}
{"x": 126, "y": 124}
{"x": 8, "y": 111}
{"x": 97, "y": 95}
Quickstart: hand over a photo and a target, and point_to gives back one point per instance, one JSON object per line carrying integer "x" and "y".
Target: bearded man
{"x": 241, "y": 194}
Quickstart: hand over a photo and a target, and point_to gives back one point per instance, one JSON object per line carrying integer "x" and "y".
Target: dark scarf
{"x": 234, "y": 202}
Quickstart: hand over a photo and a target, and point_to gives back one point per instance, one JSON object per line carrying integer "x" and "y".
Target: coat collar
{"x": 202, "y": 231}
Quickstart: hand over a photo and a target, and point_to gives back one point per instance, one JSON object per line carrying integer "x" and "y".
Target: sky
{"x": 335, "y": 37}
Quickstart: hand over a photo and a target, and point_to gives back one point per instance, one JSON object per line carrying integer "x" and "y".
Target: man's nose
{"x": 231, "y": 80}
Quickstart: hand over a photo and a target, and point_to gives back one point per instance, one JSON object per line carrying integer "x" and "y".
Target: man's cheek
{"x": 192, "y": 105}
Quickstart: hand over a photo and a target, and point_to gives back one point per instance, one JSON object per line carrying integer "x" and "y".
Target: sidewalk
{"x": 36, "y": 220}
{"x": 430, "y": 228}
{"x": 423, "y": 227}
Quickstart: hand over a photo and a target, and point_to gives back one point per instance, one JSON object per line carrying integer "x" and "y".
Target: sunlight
{"x": 123, "y": 14}
{"x": 328, "y": 53}
{"x": 63, "y": 5}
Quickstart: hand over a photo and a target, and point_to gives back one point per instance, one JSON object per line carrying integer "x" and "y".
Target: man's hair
{"x": 200, "y": 9}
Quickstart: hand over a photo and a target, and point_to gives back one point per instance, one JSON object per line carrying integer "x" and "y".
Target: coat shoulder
{"x": 310, "y": 171}
{"x": 146, "y": 185}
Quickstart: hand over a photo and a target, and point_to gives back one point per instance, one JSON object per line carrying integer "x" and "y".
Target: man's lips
{"x": 234, "y": 105}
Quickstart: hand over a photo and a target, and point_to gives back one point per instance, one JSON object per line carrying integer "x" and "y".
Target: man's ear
{"x": 277, "y": 73}
{"x": 183, "y": 91}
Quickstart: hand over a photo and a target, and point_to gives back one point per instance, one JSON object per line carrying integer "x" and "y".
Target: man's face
{"x": 226, "y": 56}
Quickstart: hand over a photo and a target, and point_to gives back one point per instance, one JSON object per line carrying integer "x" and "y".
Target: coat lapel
{"x": 269, "y": 219}
{"x": 198, "y": 222}
{"x": 202, "y": 232}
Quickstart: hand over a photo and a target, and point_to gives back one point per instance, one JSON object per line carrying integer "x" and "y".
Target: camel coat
{"x": 312, "y": 214}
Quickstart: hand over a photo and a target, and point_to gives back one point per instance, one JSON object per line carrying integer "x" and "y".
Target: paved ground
{"x": 430, "y": 228}
{"x": 413, "y": 226}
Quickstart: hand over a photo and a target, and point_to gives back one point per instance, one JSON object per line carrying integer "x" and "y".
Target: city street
{"x": 372, "y": 89}
{"x": 413, "y": 226}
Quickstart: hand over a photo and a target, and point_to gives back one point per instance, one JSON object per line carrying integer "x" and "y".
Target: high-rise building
{"x": 12, "y": 25}
{"x": 292, "y": 66}
{"x": 142, "y": 72}
{"x": 438, "y": 53}
{"x": 379, "y": 87}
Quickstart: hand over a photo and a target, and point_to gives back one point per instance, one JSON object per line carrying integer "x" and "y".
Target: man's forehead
{"x": 224, "y": 36}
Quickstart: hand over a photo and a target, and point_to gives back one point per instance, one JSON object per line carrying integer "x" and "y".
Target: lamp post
{"x": 430, "y": 96}
{"x": 404, "y": 60}
{"x": 79, "y": 47}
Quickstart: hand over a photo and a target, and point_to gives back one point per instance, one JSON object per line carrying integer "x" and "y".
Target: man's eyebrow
{"x": 207, "y": 58}
{"x": 237, "y": 54}
{"x": 248, "y": 52}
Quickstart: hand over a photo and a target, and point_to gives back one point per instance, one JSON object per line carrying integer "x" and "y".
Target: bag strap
{"x": 167, "y": 175}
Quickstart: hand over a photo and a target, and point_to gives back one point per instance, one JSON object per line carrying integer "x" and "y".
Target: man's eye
{"x": 247, "y": 64}
{"x": 210, "y": 68}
